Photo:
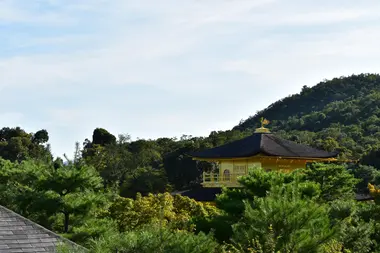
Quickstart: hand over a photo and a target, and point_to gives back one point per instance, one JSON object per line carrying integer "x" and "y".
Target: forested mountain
{"x": 340, "y": 114}
{"x": 97, "y": 194}
{"x": 317, "y": 99}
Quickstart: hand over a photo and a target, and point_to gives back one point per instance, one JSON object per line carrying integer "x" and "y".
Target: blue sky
{"x": 166, "y": 68}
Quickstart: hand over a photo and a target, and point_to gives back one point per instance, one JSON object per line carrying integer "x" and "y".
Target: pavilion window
{"x": 226, "y": 175}
{"x": 240, "y": 169}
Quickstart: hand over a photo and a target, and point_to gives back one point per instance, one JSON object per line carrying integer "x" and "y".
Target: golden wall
{"x": 241, "y": 166}
{"x": 231, "y": 169}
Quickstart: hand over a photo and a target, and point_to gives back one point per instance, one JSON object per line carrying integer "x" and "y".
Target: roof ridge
{"x": 28, "y": 221}
{"x": 270, "y": 144}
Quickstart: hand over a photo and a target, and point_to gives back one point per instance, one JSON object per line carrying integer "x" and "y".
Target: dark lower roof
{"x": 263, "y": 143}
{"x": 18, "y": 234}
{"x": 363, "y": 197}
{"x": 201, "y": 194}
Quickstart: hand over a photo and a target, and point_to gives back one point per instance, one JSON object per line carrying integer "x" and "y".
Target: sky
{"x": 164, "y": 68}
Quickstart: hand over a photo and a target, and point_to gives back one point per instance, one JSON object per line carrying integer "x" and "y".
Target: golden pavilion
{"x": 261, "y": 149}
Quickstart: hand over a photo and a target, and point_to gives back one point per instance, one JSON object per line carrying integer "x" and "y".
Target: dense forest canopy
{"x": 112, "y": 182}
{"x": 317, "y": 98}
{"x": 340, "y": 114}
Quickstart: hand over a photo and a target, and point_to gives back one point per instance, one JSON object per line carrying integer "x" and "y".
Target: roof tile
{"x": 265, "y": 143}
{"x": 18, "y": 234}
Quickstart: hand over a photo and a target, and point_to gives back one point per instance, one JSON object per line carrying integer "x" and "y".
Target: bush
{"x": 154, "y": 239}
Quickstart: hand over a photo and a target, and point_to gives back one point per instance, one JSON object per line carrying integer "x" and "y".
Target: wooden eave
{"x": 264, "y": 157}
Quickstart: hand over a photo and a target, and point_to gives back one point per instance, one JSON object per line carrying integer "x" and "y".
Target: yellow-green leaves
{"x": 176, "y": 212}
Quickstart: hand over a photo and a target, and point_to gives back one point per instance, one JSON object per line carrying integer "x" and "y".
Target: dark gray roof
{"x": 363, "y": 196}
{"x": 264, "y": 143}
{"x": 18, "y": 234}
{"x": 200, "y": 194}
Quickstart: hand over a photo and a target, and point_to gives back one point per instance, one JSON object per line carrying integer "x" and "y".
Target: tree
{"x": 8, "y": 180}
{"x": 366, "y": 174}
{"x": 355, "y": 233}
{"x": 75, "y": 190}
{"x": 17, "y": 145}
{"x": 41, "y": 191}
{"x": 344, "y": 111}
{"x": 102, "y": 137}
{"x": 288, "y": 222}
{"x": 176, "y": 212}
{"x": 155, "y": 239}
{"x": 335, "y": 180}
{"x": 372, "y": 158}
{"x": 144, "y": 181}
{"x": 40, "y": 137}
{"x": 257, "y": 184}
{"x": 181, "y": 170}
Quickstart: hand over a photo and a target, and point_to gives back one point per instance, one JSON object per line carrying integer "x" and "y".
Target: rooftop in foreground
{"x": 18, "y": 234}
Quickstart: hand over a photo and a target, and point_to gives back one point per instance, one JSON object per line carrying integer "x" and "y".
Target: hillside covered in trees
{"x": 114, "y": 194}
{"x": 341, "y": 114}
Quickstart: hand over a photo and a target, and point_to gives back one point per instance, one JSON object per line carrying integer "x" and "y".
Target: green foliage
{"x": 52, "y": 196}
{"x": 288, "y": 222}
{"x": 334, "y": 246}
{"x": 372, "y": 158}
{"x": 93, "y": 229}
{"x": 144, "y": 181}
{"x": 113, "y": 162}
{"x": 257, "y": 183}
{"x": 366, "y": 174}
{"x": 339, "y": 114}
{"x": 154, "y": 239}
{"x": 103, "y": 137}
{"x": 336, "y": 181}
{"x": 17, "y": 145}
{"x": 175, "y": 211}
{"x": 356, "y": 235}
{"x": 41, "y": 136}
{"x": 354, "y": 232}
{"x": 68, "y": 248}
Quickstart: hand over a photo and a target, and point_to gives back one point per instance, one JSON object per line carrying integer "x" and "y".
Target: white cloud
{"x": 325, "y": 17}
{"x": 341, "y": 53}
{"x": 211, "y": 62}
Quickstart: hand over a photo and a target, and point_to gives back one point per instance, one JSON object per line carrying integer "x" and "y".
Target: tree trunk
{"x": 67, "y": 218}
